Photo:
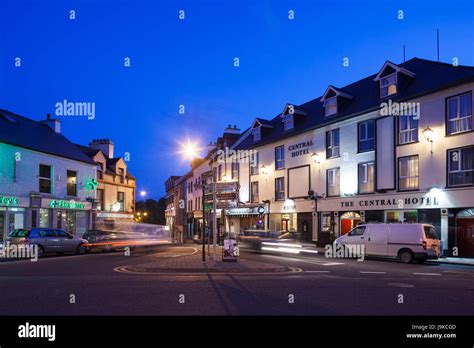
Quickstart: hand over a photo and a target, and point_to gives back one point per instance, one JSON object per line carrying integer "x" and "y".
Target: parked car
{"x": 406, "y": 242}
{"x": 111, "y": 240}
{"x": 48, "y": 240}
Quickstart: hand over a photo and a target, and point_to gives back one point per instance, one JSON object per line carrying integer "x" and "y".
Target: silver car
{"x": 48, "y": 240}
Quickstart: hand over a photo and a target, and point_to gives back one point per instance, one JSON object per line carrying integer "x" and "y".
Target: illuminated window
{"x": 333, "y": 182}
{"x": 366, "y": 177}
{"x": 388, "y": 85}
{"x": 71, "y": 189}
{"x": 408, "y": 173}
{"x": 459, "y": 111}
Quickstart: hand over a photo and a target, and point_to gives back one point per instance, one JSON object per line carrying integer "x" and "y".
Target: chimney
{"x": 104, "y": 145}
{"x": 52, "y": 123}
{"x": 232, "y": 130}
{"x": 211, "y": 146}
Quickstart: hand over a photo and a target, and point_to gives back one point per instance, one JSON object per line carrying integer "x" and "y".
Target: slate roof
{"x": 34, "y": 135}
{"x": 430, "y": 76}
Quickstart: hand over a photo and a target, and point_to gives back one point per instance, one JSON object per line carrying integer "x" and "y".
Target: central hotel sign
{"x": 300, "y": 148}
{"x": 391, "y": 202}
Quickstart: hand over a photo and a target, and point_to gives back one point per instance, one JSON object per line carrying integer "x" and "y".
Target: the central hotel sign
{"x": 391, "y": 202}
{"x": 427, "y": 200}
{"x": 301, "y": 148}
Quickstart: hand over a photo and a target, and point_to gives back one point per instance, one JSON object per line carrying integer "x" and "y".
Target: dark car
{"x": 111, "y": 240}
{"x": 48, "y": 240}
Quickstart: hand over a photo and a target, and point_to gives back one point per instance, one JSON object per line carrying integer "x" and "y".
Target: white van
{"x": 408, "y": 242}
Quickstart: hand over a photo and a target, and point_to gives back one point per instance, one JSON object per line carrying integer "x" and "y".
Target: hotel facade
{"x": 397, "y": 146}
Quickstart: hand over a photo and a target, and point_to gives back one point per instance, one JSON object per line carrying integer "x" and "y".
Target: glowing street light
{"x": 189, "y": 150}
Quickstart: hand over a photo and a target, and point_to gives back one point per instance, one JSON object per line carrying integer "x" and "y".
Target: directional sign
{"x": 228, "y": 196}
{"x": 227, "y": 186}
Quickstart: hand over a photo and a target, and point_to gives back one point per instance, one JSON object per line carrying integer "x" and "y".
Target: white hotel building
{"x": 348, "y": 156}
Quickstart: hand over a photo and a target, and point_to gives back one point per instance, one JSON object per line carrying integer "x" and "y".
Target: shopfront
{"x": 12, "y": 214}
{"x": 69, "y": 215}
{"x": 247, "y": 219}
{"x": 454, "y": 226}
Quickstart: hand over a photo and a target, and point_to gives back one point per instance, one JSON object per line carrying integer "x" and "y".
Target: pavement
{"x": 190, "y": 261}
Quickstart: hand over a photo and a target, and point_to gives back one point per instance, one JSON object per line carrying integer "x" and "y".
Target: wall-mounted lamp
{"x": 264, "y": 170}
{"x": 316, "y": 158}
{"x": 428, "y": 133}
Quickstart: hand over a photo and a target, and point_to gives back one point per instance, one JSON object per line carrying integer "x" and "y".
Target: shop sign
{"x": 61, "y": 204}
{"x": 393, "y": 202}
{"x": 300, "y": 148}
{"x": 8, "y": 201}
{"x": 244, "y": 211}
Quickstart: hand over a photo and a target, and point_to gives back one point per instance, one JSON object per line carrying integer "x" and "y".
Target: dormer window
{"x": 288, "y": 122}
{"x": 392, "y": 78}
{"x": 388, "y": 85}
{"x": 334, "y": 100}
{"x": 256, "y": 134}
{"x": 330, "y": 106}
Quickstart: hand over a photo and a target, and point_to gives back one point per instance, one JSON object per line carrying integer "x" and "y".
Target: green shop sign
{"x": 9, "y": 201}
{"x": 66, "y": 204}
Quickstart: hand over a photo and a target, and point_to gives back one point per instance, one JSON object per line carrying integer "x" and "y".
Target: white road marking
{"x": 333, "y": 264}
{"x": 430, "y": 274}
{"x": 370, "y": 272}
{"x": 317, "y": 271}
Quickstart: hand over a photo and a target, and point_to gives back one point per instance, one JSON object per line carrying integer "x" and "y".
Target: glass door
{"x": 2, "y": 226}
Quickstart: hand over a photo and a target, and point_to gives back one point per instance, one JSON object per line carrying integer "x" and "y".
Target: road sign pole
{"x": 204, "y": 227}
{"x": 214, "y": 220}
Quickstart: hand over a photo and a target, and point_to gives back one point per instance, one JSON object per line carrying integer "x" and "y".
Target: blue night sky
{"x": 190, "y": 62}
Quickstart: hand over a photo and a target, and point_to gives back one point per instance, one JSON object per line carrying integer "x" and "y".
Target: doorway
{"x": 465, "y": 232}
{"x": 349, "y": 220}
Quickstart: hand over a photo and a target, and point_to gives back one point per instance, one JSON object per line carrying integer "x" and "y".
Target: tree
{"x": 151, "y": 211}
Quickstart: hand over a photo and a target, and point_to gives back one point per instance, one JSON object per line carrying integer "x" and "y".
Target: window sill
{"x": 459, "y": 133}
{"x": 408, "y": 143}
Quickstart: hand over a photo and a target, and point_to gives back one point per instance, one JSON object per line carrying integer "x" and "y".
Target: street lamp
{"x": 189, "y": 150}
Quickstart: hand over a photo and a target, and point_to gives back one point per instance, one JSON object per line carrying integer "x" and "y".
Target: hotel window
{"x": 100, "y": 199}
{"x": 235, "y": 170}
{"x": 121, "y": 200}
{"x": 366, "y": 177}
{"x": 408, "y": 129}
{"x": 71, "y": 186}
{"x": 280, "y": 157}
{"x": 330, "y": 106}
{"x": 408, "y": 173}
{"x": 45, "y": 178}
{"x": 256, "y": 133}
{"x": 219, "y": 172}
{"x": 100, "y": 171}
{"x": 366, "y": 136}
{"x": 332, "y": 143}
{"x": 254, "y": 192}
{"x": 461, "y": 166}
{"x": 333, "y": 182}
{"x": 288, "y": 122}
{"x": 459, "y": 111}
{"x": 254, "y": 163}
{"x": 280, "y": 189}
{"x": 121, "y": 173}
{"x": 388, "y": 85}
